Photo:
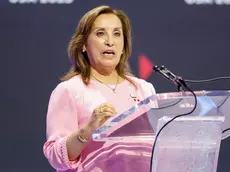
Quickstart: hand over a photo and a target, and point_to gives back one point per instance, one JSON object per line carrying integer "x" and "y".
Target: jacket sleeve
{"x": 61, "y": 121}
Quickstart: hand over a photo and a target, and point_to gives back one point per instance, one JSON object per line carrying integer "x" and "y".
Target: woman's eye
{"x": 117, "y": 33}
{"x": 100, "y": 33}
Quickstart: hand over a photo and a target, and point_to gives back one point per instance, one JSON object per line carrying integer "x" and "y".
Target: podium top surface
{"x": 209, "y": 103}
{"x": 213, "y": 93}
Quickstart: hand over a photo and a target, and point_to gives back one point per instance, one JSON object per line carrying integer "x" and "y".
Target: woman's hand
{"x": 100, "y": 115}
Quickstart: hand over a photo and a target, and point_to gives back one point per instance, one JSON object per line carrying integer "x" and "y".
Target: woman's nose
{"x": 109, "y": 42}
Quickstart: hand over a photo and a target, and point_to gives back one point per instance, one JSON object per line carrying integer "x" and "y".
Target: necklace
{"x": 113, "y": 89}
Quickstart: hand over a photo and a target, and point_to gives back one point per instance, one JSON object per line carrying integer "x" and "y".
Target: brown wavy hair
{"x": 79, "y": 59}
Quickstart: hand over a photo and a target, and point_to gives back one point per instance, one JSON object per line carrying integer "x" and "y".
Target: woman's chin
{"x": 109, "y": 64}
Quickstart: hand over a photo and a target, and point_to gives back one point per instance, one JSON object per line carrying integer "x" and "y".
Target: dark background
{"x": 191, "y": 40}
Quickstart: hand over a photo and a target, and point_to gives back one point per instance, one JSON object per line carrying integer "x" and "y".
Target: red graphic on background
{"x": 145, "y": 67}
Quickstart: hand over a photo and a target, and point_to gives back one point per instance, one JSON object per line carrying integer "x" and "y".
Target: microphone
{"x": 170, "y": 76}
{"x": 181, "y": 84}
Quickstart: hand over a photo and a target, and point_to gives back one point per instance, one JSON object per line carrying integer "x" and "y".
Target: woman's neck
{"x": 106, "y": 78}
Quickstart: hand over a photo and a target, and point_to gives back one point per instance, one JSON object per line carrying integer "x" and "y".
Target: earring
{"x": 83, "y": 49}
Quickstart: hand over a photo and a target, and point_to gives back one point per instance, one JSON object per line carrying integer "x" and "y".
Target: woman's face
{"x": 105, "y": 43}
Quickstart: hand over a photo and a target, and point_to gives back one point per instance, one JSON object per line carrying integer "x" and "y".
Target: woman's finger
{"x": 109, "y": 105}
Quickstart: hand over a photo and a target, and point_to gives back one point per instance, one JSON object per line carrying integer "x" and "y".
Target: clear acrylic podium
{"x": 188, "y": 144}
